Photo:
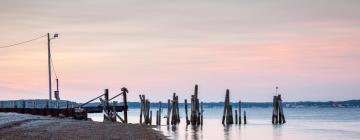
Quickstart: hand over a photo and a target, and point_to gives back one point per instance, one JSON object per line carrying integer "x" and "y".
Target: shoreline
{"x": 25, "y": 126}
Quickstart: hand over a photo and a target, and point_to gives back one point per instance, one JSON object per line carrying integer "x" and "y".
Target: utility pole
{"x": 49, "y": 61}
{"x": 49, "y": 66}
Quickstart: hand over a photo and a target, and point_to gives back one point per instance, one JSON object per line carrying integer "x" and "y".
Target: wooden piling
{"x": 244, "y": 117}
{"x": 157, "y": 117}
{"x": 278, "y": 116}
{"x": 186, "y": 113}
{"x": 195, "y": 116}
{"x": 168, "y": 113}
{"x": 202, "y": 114}
{"x": 236, "y": 117}
{"x": 150, "y": 117}
{"x": 125, "y": 91}
{"x": 239, "y": 107}
{"x": 160, "y": 113}
{"x": 227, "y": 114}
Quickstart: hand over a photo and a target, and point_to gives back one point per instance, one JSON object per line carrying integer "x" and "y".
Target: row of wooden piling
{"x": 230, "y": 116}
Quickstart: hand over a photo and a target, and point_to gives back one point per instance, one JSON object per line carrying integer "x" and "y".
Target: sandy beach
{"x": 15, "y": 126}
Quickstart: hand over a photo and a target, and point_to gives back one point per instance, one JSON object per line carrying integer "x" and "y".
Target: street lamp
{"x": 49, "y": 61}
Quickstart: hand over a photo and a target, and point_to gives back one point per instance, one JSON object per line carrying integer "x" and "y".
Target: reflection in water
{"x": 277, "y": 132}
{"x": 226, "y": 132}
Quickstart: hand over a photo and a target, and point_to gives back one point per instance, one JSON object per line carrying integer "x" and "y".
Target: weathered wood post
{"x": 225, "y": 106}
{"x": 141, "y": 108}
{"x": 113, "y": 113}
{"x": 229, "y": 118}
{"x": 106, "y": 107}
{"x": 150, "y": 117}
{"x": 186, "y": 113}
{"x": 177, "y": 110}
{"x": 227, "y": 114}
{"x": 239, "y": 107}
{"x": 195, "y": 116}
{"x": 168, "y": 113}
{"x": 160, "y": 113}
{"x": 280, "y": 109}
{"x": 274, "y": 116}
{"x": 157, "y": 117}
{"x": 124, "y": 92}
{"x": 244, "y": 117}
{"x": 147, "y": 119}
{"x": 236, "y": 117}
{"x": 202, "y": 114}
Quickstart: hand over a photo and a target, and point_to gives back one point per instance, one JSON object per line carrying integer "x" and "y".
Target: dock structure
{"x": 144, "y": 110}
{"x": 54, "y": 108}
{"x": 109, "y": 109}
{"x": 196, "y": 114}
{"x": 227, "y": 114}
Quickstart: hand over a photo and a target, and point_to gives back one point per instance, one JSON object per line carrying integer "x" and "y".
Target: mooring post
{"x": 125, "y": 91}
{"x": 147, "y": 120}
{"x": 168, "y": 113}
{"x": 274, "y": 116}
{"x": 107, "y": 109}
{"x": 177, "y": 110}
{"x": 141, "y": 108}
{"x": 226, "y": 104}
{"x": 160, "y": 113}
{"x": 157, "y": 117}
{"x": 281, "y": 113}
{"x": 239, "y": 107}
{"x": 202, "y": 114}
{"x": 173, "y": 112}
{"x": 150, "y": 117}
{"x": 186, "y": 113}
{"x": 244, "y": 117}
{"x": 236, "y": 117}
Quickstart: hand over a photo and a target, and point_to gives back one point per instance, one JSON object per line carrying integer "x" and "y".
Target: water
{"x": 302, "y": 123}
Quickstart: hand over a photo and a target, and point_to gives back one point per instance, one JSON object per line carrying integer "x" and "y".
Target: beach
{"x": 15, "y": 126}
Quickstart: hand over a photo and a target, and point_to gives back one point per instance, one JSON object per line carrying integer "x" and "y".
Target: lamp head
{"x": 56, "y": 35}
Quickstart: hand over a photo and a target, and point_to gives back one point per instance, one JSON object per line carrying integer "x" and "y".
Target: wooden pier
{"x": 54, "y": 108}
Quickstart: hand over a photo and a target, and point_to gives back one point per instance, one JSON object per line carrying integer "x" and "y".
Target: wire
{"x": 7, "y": 46}
{"x": 52, "y": 65}
{"x": 20, "y": 43}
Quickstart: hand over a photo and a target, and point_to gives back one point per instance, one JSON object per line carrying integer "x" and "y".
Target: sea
{"x": 301, "y": 124}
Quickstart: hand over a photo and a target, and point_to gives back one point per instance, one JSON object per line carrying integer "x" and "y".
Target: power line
{"x": 7, "y": 46}
{"x": 52, "y": 65}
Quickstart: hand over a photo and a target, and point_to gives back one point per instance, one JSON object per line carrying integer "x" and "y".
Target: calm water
{"x": 302, "y": 124}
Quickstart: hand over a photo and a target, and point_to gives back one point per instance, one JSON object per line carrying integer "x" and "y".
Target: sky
{"x": 310, "y": 49}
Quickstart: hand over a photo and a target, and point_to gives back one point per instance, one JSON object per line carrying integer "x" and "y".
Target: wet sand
{"x": 15, "y": 126}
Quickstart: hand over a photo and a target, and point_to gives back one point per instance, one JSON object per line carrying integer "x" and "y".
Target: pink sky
{"x": 310, "y": 49}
